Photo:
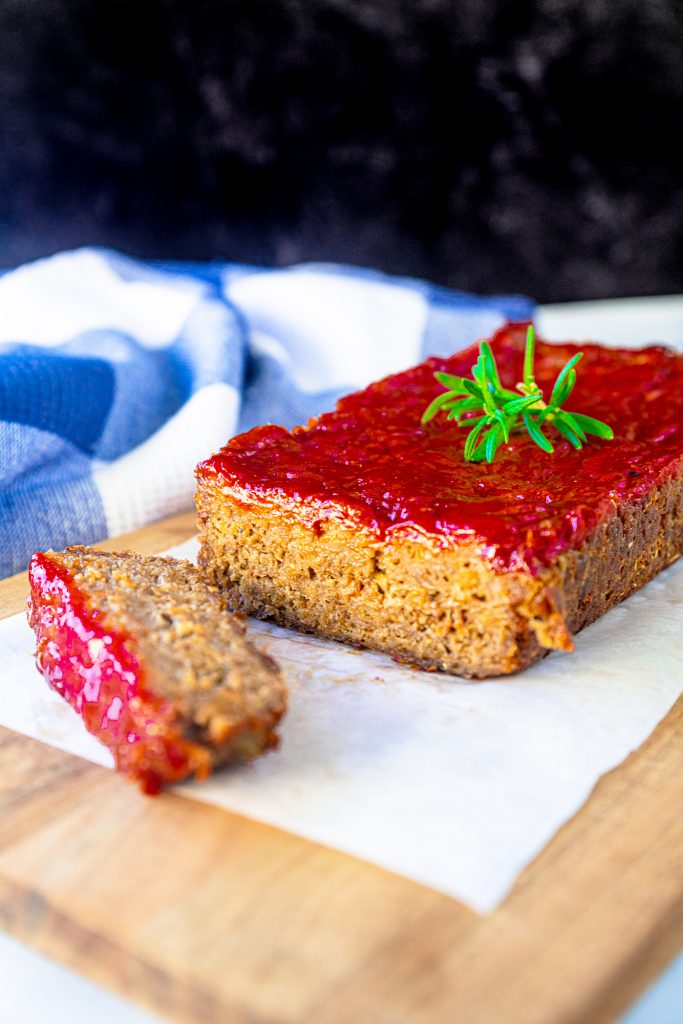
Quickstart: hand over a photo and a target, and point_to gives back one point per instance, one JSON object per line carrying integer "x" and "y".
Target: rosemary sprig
{"x": 501, "y": 410}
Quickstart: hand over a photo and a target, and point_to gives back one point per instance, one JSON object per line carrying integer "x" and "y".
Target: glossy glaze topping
{"x": 95, "y": 667}
{"x": 372, "y": 463}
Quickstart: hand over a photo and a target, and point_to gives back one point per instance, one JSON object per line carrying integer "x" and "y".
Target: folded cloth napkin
{"x": 117, "y": 377}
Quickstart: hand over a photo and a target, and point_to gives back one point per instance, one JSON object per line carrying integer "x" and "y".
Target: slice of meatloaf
{"x": 368, "y": 527}
{"x": 146, "y": 653}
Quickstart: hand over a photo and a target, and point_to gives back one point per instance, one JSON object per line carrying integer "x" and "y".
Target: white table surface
{"x": 34, "y": 990}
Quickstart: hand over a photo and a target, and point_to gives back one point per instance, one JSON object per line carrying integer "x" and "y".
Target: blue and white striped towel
{"x": 117, "y": 377}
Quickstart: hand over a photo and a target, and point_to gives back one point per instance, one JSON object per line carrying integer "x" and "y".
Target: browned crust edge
{"x": 447, "y": 609}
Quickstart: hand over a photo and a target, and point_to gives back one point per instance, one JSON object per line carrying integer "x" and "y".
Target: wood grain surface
{"x": 206, "y": 916}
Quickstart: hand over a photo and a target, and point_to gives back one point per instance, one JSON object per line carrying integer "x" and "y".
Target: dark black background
{"x": 532, "y": 146}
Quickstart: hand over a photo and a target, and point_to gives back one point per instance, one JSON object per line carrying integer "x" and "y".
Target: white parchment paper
{"x": 454, "y": 784}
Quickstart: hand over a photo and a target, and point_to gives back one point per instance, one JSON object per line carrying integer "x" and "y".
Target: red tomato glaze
{"x": 372, "y": 463}
{"x": 96, "y": 669}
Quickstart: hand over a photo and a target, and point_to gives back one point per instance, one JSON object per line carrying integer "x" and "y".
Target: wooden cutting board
{"x": 208, "y": 917}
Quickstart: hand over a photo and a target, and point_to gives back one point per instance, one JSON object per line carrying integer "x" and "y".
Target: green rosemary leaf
{"x": 504, "y": 425}
{"x": 473, "y": 389}
{"x": 490, "y": 363}
{"x": 559, "y": 397}
{"x": 455, "y": 414}
{"x": 479, "y": 453}
{"x": 489, "y": 401}
{"x": 529, "y": 380}
{"x": 479, "y": 373}
{"x": 568, "y": 418}
{"x": 472, "y": 439}
{"x": 440, "y": 402}
{"x": 536, "y": 433}
{"x": 449, "y": 381}
{"x": 462, "y": 405}
{"x": 561, "y": 377}
{"x": 566, "y": 431}
{"x": 515, "y": 405}
{"x": 591, "y": 426}
{"x": 494, "y": 439}
{"x": 472, "y": 421}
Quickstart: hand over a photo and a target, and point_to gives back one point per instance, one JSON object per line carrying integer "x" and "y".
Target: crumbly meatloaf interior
{"x": 446, "y": 609}
{"x": 227, "y": 695}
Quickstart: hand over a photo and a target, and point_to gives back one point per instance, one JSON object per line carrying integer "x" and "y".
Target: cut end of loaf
{"x": 443, "y": 609}
{"x": 147, "y": 653}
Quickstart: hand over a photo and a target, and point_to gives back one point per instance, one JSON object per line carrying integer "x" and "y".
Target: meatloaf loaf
{"x": 369, "y": 527}
{"x": 146, "y": 653}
